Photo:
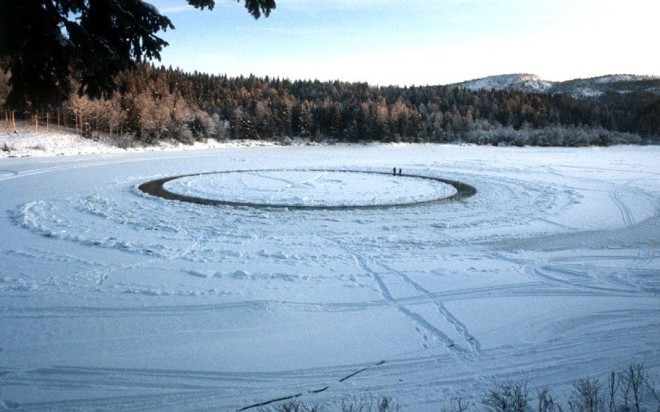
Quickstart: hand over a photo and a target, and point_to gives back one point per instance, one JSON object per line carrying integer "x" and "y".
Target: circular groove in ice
{"x": 307, "y": 189}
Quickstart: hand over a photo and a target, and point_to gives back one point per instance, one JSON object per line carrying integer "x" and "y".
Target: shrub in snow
{"x": 586, "y": 396}
{"x": 369, "y": 404}
{"x": 457, "y": 405}
{"x": 297, "y": 406}
{"x": 507, "y": 396}
{"x": 7, "y": 148}
{"x": 624, "y": 393}
{"x": 354, "y": 404}
{"x": 546, "y": 402}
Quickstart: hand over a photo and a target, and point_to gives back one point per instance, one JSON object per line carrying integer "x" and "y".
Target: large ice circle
{"x": 297, "y": 189}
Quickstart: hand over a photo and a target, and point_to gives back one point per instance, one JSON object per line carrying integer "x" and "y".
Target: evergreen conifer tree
{"x": 47, "y": 42}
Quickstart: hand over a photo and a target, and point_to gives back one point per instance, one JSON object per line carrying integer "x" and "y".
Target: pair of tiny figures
{"x": 394, "y": 171}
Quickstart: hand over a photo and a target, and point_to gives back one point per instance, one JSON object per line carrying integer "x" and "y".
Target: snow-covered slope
{"x": 622, "y": 78}
{"x": 524, "y": 82}
{"x": 619, "y": 83}
{"x": 28, "y": 142}
{"x": 584, "y": 88}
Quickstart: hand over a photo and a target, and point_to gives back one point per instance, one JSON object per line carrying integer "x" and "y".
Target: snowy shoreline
{"x": 67, "y": 143}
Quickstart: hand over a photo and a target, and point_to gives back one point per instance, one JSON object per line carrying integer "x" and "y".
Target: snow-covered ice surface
{"x": 111, "y": 299}
{"x": 311, "y": 188}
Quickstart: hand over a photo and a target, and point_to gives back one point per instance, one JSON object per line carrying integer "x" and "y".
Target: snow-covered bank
{"x": 28, "y": 142}
{"x": 112, "y": 299}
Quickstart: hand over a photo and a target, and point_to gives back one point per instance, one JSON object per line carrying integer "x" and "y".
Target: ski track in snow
{"x": 113, "y": 300}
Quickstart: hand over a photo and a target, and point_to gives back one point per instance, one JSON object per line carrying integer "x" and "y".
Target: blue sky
{"x": 406, "y": 42}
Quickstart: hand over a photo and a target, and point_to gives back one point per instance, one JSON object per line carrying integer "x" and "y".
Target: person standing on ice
{"x": 399, "y": 172}
{"x": 394, "y": 171}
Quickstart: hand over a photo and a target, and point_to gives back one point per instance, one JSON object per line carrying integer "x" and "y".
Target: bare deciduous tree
{"x": 612, "y": 387}
{"x": 632, "y": 379}
{"x": 546, "y": 402}
{"x": 586, "y": 396}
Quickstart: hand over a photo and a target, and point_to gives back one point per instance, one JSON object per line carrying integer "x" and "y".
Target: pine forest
{"x": 155, "y": 104}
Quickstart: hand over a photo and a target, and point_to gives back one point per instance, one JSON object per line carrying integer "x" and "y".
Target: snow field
{"x": 114, "y": 299}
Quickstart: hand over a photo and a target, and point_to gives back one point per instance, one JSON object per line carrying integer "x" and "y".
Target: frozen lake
{"x": 318, "y": 189}
{"x": 114, "y": 299}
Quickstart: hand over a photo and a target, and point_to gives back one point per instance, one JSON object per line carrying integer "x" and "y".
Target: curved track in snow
{"x": 347, "y": 201}
{"x": 114, "y": 299}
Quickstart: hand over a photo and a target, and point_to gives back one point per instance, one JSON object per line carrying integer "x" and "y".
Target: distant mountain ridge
{"x": 581, "y": 88}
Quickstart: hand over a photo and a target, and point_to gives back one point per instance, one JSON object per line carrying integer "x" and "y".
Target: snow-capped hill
{"x": 522, "y": 81}
{"x": 612, "y": 78}
{"x": 579, "y": 88}
{"x": 614, "y": 83}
